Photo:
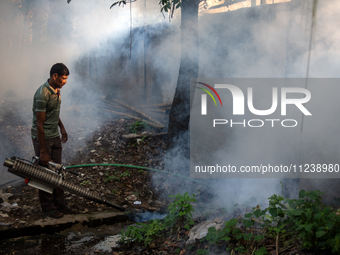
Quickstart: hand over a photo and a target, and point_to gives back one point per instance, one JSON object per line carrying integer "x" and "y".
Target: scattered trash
{"x": 201, "y": 230}
{"x": 132, "y": 197}
{"x": 6, "y": 224}
{"x": 4, "y": 215}
{"x": 97, "y": 143}
{"x": 5, "y": 196}
{"x": 110, "y": 241}
{"x": 6, "y": 207}
{"x": 137, "y": 202}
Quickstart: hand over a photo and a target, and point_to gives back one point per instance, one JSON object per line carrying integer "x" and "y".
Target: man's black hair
{"x": 59, "y": 69}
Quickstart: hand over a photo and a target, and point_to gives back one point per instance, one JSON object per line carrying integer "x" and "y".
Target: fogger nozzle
{"x": 47, "y": 177}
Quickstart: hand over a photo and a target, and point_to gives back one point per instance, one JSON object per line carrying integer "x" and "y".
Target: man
{"x": 45, "y": 134}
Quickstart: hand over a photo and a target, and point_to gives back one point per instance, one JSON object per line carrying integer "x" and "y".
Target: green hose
{"x": 139, "y": 167}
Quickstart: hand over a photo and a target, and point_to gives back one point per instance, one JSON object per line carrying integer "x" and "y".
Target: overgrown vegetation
{"x": 285, "y": 225}
{"x": 180, "y": 212}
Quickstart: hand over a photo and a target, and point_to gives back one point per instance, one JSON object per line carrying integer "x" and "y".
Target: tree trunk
{"x": 178, "y": 130}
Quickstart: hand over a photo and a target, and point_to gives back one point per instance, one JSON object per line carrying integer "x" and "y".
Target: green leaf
{"x": 231, "y": 223}
{"x": 302, "y": 193}
{"x": 300, "y": 227}
{"x": 259, "y": 213}
{"x": 248, "y": 223}
{"x": 297, "y": 212}
{"x": 259, "y": 238}
{"x": 261, "y": 251}
{"x": 248, "y": 215}
{"x": 329, "y": 225}
{"x": 309, "y": 214}
{"x": 309, "y": 228}
{"x": 321, "y": 228}
{"x": 320, "y": 233}
{"x": 239, "y": 236}
{"x": 248, "y": 236}
{"x": 273, "y": 212}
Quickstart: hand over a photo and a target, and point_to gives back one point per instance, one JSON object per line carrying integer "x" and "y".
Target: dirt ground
{"x": 128, "y": 187}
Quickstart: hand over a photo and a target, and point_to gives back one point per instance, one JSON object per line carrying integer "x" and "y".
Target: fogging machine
{"x": 48, "y": 178}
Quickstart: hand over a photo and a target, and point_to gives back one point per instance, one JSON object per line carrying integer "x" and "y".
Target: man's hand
{"x": 44, "y": 158}
{"x": 64, "y": 136}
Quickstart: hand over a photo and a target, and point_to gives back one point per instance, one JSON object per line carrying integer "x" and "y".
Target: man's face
{"x": 59, "y": 81}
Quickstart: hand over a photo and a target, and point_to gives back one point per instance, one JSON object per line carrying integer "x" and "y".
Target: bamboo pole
{"x": 169, "y": 104}
{"x": 136, "y": 118}
{"x": 140, "y": 112}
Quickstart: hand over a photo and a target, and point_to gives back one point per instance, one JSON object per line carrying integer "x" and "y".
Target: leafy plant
{"x": 180, "y": 210}
{"x": 238, "y": 239}
{"x": 125, "y": 174}
{"x": 85, "y": 182}
{"x": 182, "y": 205}
{"x": 261, "y": 251}
{"x": 142, "y": 232}
{"x": 111, "y": 177}
{"x": 317, "y": 225}
{"x": 202, "y": 252}
{"x": 304, "y": 221}
{"x": 183, "y": 208}
{"x": 138, "y": 126}
{"x": 117, "y": 178}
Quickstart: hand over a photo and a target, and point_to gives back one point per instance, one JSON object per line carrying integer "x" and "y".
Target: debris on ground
{"x": 121, "y": 185}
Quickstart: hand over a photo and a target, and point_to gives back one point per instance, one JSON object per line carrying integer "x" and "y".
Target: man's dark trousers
{"x": 56, "y": 200}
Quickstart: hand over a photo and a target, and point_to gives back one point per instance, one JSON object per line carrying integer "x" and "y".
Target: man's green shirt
{"x": 46, "y": 100}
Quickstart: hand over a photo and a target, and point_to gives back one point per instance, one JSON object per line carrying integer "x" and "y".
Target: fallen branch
{"x": 109, "y": 107}
{"x": 156, "y": 105}
{"x": 159, "y": 117}
{"x": 129, "y": 137}
{"x": 136, "y": 118}
{"x": 287, "y": 248}
{"x": 113, "y": 104}
{"x": 156, "y": 110}
{"x": 140, "y": 112}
